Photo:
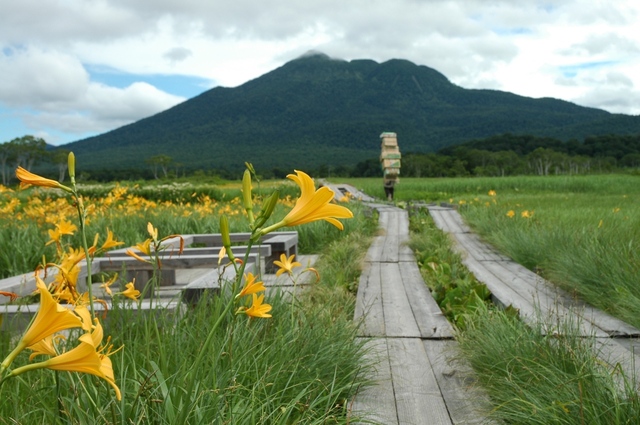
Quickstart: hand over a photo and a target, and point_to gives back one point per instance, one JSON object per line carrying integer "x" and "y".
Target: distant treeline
{"x": 510, "y": 154}
{"x": 502, "y": 155}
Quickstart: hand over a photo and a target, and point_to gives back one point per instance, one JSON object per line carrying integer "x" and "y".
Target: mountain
{"x": 315, "y": 110}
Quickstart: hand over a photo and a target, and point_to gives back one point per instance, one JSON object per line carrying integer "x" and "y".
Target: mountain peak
{"x": 316, "y": 110}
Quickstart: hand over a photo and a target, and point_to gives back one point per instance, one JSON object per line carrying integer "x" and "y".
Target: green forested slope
{"x": 315, "y": 110}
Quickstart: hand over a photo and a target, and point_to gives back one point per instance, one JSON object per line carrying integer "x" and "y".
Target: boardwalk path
{"x": 409, "y": 337}
{"x": 535, "y": 298}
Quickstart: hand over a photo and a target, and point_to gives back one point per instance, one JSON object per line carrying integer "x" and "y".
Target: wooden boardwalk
{"x": 535, "y": 298}
{"x": 409, "y": 338}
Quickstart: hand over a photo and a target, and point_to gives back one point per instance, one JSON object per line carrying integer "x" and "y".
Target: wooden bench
{"x": 209, "y": 283}
{"x": 280, "y": 243}
{"x": 189, "y": 259}
{"x": 143, "y": 272}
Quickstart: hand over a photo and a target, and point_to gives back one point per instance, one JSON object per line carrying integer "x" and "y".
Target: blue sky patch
{"x": 179, "y": 85}
{"x": 571, "y": 71}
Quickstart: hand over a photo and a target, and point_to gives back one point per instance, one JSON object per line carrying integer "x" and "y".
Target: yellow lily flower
{"x": 84, "y": 358}
{"x": 251, "y": 286}
{"x": 107, "y": 284}
{"x": 153, "y": 231}
{"x": 144, "y": 247}
{"x": 286, "y": 264}
{"x": 50, "y": 318}
{"x": 131, "y": 291}
{"x": 63, "y": 228}
{"x": 312, "y": 205}
{"x": 28, "y": 178}
{"x": 44, "y": 346}
{"x": 110, "y": 242}
{"x": 258, "y": 309}
{"x": 221, "y": 254}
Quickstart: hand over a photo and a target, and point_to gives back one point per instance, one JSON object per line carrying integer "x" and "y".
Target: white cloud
{"x": 523, "y": 46}
{"x": 56, "y": 90}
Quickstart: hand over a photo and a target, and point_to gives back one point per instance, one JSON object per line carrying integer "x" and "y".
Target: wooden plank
{"x": 548, "y": 306}
{"x": 428, "y": 316}
{"x": 389, "y": 252}
{"x": 403, "y": 222}
{"x": 449, "y": 220}
{"x": 377, "y": 402}
{"x": 405, "y": 254}
{"x": 438, "y": 219}
{"x": 609, "y": 324}
{"x": 466, "y": 402}
{"x": 503, "y": 293}
{"x": 418, "y": 396}
{"x": 374, "y": 253}
{"x": 477, "y": 249}
{"x": 615, "y": 353}
{"x": 369, "y": 302}
{"x": 456, "y": 218}
{"x": 398, "y": 316}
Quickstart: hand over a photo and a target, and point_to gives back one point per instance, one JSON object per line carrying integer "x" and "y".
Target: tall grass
{"x": 583, "y": 233}
{"x": 271, "y": 371}
{"x": 540, "y": 379}
{"x": 531, "y": 376}
{"x": 442, "y": 189}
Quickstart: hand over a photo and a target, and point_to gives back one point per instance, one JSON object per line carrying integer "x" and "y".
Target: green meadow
{"x": 212, "y": 363}
{"x": 580, "y": 232}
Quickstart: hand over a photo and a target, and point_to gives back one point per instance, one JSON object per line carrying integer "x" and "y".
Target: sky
{"x": 70, "y": 69}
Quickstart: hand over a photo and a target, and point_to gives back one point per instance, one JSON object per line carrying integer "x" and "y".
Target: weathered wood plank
{"x": 438, "y": 219}
{"x": 418, "y": 396}
{"x": 467, "y": 404}
{"x": 429, "y": 318}
{"x": 478, "y": 249}
{"x": 548, "y": 304}
{"x": 369, "y": 302}
{"x": 374, "y": 253}
{"x": 615, "y": 353}
{"x": 377, "y": 403}
{"x": 544, "y": 299}
{"x": 398, "y": 316}
{"x": 390, "y": 251}
{"x": 609, "y": 324}
{"x": 449, "y": 220}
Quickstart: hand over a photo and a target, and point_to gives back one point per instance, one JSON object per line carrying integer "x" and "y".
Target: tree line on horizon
{"x": 500, "y": 155}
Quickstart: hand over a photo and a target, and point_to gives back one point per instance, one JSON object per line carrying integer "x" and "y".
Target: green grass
{"x": 537, "y": 379}
{"x": 443, "y": 189}
{"x": 530, "y": 377}
{"x": 584, "y": 233}
{"x": 129, "y": 224}
{"x": 267, "y": 371}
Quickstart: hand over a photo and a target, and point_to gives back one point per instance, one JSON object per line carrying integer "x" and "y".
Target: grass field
{"x": 531, "y": 376}
{"x": 581, "y": 232}
{"x": 214, "y": 364}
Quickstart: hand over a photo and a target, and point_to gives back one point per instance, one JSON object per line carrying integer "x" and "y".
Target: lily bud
{"x": 246, "y": 194}
{"x": 226, "y": 238}
{"x": 267, "y": 209}
{"x": 71, "y": 162}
